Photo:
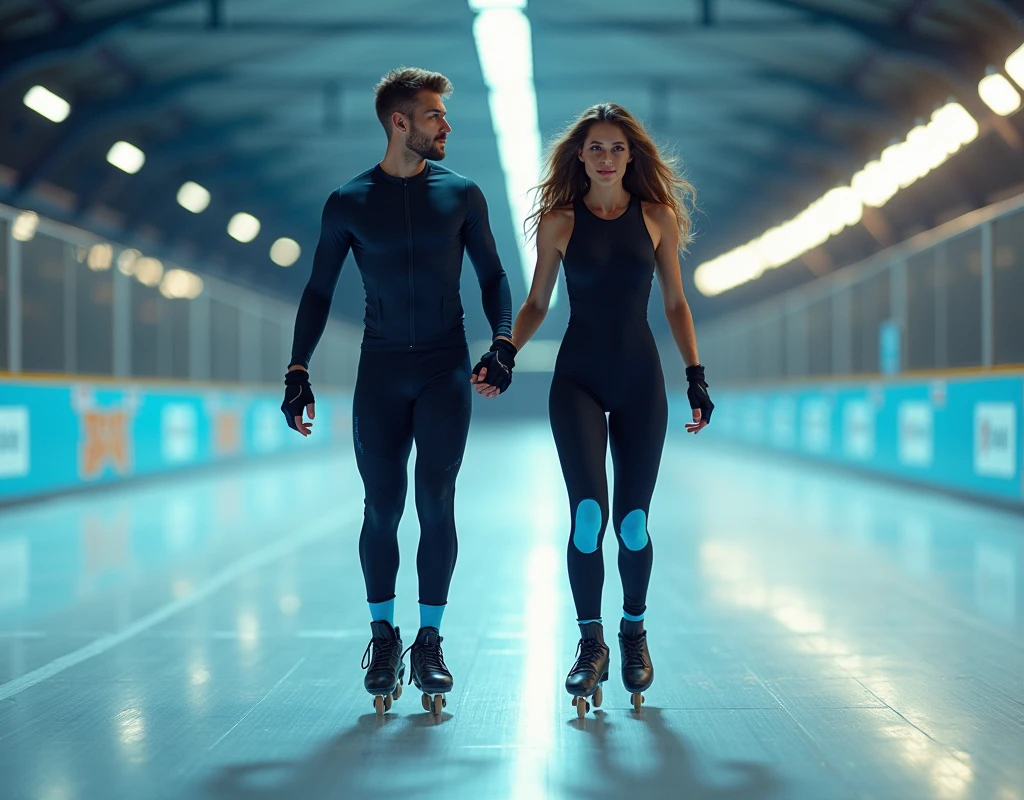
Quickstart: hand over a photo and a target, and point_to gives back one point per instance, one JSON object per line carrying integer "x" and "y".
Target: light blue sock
{"x": 430, "y": 616}
{"x": 383, "y": 612}
{"x": 587, "y": 621}
{"x": 632, "y": 618}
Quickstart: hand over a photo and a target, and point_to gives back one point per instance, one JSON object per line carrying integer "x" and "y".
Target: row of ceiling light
{"x": 192, "y": 196}
{"x": 925, "y": 148}
{"x": 503, "y": 39}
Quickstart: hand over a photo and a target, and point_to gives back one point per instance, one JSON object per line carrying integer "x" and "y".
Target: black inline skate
{"x": 427, "y": 670}
{"x": 637, "y": 670}
{"x": 385, "y": 670}
{"x": 590, "y": 670}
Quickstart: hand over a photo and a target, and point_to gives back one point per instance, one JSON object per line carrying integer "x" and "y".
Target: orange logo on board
{"x": 227, "y": 433}
{"x": 105, "y": 443}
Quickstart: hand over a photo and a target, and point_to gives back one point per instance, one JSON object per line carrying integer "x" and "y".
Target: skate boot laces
{"x": 588, "y": 655}
{"x": 633, "y": 650}
{"x": 381, "y": 652}
{"x": 430, "y": 655}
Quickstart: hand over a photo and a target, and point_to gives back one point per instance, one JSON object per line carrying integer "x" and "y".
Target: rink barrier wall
{"x": 962, "y": 432}
{"x": 58, "y": 436}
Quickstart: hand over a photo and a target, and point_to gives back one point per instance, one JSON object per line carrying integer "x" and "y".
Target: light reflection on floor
{"x": 814, "y": 635}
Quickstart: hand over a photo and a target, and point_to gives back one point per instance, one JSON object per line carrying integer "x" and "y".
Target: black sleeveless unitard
{"x": 608, "y": 364}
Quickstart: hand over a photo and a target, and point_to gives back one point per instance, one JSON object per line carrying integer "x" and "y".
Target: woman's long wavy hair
{"x": 650, "y": 175}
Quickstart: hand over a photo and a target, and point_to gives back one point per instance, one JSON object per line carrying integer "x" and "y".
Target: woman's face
{"x": 605, "y": 154}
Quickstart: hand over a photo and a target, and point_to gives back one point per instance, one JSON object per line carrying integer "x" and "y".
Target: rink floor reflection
{"x": 814, "y": 635}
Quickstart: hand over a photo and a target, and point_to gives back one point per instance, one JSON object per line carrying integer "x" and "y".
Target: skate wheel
{"x": 598, "y": 697}
{"x": 425, "y": 700}
{"x": 439, "y": 703}
{"x": 387, "y": 702}
{"x": 378, "y": 705}
{"x": 398, "y": 691}
{"x": 638, "y": 700}
{"x": 582, "y": 707}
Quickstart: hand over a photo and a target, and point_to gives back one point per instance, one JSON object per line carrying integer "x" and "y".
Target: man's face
{"x": 428, "y": 128}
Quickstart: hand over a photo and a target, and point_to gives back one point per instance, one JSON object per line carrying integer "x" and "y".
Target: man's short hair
{"x": 398, "y": 89}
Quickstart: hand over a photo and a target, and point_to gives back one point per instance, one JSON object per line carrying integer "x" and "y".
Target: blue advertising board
{"x": 960, "y": 431}
{"x": 56, "y": 435}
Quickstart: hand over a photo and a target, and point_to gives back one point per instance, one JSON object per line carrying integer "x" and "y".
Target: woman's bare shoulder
{"x": 558, "y": 218}
{"x": 559, "y": 213}
{"x": 661, "y": 212}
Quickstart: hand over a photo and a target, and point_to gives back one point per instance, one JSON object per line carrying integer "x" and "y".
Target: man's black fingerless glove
{"x": 498, "y": 361}
{"x": 297, "y": 395}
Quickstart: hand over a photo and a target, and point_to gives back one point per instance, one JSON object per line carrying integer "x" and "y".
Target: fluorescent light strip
{"x": 999, "y": 94}
{"x": 1015, "y": 65}
{"x": 244, "y": 227}
{"x": 25, "y": 226}
{"x": 285, "y": 252}
{"x": 46, "y": 103}
{"x": 193, "y": 197}
{"x": 126, "y": 157}
{"x": 925, "y": 148}
{"x": 504, "y": 46}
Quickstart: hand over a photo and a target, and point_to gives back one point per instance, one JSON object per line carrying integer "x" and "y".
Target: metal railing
{"x": 73, "y": 303}
{"x": 952, "y": 297}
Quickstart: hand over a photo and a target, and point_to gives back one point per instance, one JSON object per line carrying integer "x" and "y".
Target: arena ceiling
{"x": 268, "y": 104}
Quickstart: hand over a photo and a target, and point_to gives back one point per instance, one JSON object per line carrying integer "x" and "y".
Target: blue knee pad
{"x": 633, "y": 530}
{"x": 588, "y": 526}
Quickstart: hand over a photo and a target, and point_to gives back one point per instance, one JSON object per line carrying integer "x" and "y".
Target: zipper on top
{"x": 412, "y": 284}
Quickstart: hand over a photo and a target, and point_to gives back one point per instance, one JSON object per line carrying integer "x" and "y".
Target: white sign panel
{"x": 783, "y": 426}
{"x": 14, "y": 442}
{"x": 995, "y": 440}
{"x": 179, "y": 432}
{"x": 916, "y": 433}
{"x": 815, "y": 425}
{"x": 859, "y": 429}
{"x": 754, "y": 419}
{"x": 14, "y": 572}
{"x": 269, "y": 428}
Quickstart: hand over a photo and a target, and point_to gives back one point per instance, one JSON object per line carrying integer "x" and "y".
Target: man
{"x": 408, "y": 221}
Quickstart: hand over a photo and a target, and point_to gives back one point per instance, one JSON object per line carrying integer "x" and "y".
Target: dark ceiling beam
{"x": 199, "y": 140}
{"x": 88, "y": 120}
{"x": 56, "y": 10}
{"x": 242, "y": 166}
{"x": 216, "y": 13}
{"x": 799, "y": 149}
{"x": 840, "y": 98}
{"x": 1012, "y": 9}
{"x": 668, "y": 27}
{"x": 744, "y": 170}
{"x": 21, "y": 56}
{"x": 940, "y": 54}
{"x": 314, "y": 29}
{"x": 707, "y": 16}
{"x": 804, "y": 139}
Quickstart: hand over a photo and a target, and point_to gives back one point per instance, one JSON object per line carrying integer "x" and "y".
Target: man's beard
{"x": 422, "y": 145}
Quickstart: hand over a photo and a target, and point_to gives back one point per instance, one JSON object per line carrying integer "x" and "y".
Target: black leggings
{"x": 634, "y": 399}
{"x": 399, "y": 398}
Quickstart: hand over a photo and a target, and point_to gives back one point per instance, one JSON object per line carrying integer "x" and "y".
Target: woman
{"x": 613, "y": 212}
